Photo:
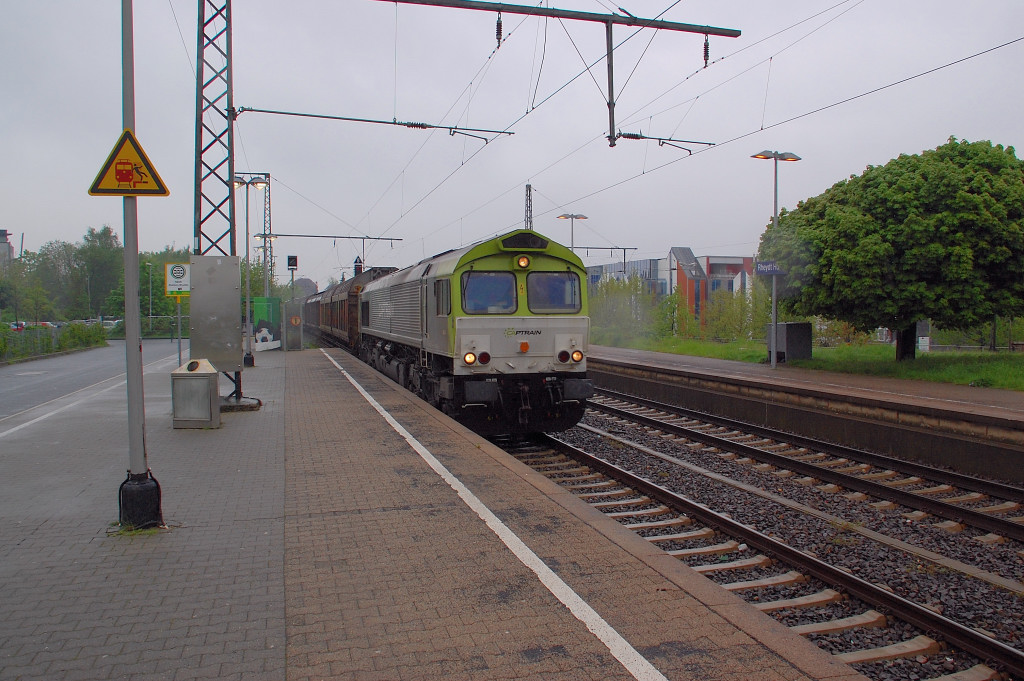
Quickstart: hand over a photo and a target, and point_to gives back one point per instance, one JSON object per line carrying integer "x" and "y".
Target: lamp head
{"x": 777, "y": 155}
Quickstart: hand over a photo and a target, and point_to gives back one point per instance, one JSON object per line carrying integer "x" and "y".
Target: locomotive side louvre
{"x": 395, "y": 313}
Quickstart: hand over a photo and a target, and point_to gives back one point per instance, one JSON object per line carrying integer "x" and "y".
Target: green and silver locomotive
{"x": 495, "y": 334}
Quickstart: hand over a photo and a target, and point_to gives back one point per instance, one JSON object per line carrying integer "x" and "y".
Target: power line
{"x": 608, "y": 19}
{"x": 452, "y": 129}
{"x": 798, "y": 117}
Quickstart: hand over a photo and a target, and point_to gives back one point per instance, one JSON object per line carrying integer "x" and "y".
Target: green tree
{"x": 727, "y": 315}
{"x": 937, "y": 235}
{"x": 666, "y": 317}
{"x": 621, "y": 310}
{"x": 102, "y": 259}
{"x": 55, "y": 269}
{"x": 163, "y": 306}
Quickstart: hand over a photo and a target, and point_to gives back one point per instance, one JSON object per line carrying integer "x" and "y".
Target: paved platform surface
{"x": 315, "y": 539}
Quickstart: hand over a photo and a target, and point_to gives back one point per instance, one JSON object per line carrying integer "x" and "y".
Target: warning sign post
{"x": 128, "y": 172}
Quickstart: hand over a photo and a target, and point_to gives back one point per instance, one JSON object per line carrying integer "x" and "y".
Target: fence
{"x": 38, "y": 341}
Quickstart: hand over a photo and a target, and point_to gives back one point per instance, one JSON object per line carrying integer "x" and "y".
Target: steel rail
{"x": 992, "y": 488}
{"x": 970, "y": 640}
{"x": 936, "y": 507}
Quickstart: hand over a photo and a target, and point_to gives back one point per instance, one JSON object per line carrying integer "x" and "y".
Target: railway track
{"x": 821, "y": 599}
{"x": 963, "y": 500}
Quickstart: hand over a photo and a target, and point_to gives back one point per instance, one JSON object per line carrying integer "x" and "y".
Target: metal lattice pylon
{"x": 215, "y": 159}
{"x": 267, "y": 230}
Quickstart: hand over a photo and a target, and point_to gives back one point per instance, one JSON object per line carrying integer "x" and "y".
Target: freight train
{"x": 495, "y": 334}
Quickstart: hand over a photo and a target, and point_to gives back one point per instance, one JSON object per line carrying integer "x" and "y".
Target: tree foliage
{"x": 937, "y": 235}
{"x": 621, "y": 310}
{"x": 66, "y": 281}
{"x": 101, "y": 257}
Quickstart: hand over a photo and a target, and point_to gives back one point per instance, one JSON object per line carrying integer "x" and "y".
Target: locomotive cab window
{"x": 489, "y": 292}
{"x": 553, "y": 292}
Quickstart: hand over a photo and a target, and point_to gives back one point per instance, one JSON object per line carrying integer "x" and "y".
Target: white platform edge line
{"x": 635, "y": 663}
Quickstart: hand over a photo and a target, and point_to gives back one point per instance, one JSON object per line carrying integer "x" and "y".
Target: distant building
{"x": 653, "y": 272}
{"x": 6, "y": 250}
{"x": 693, "y": 278}
{"x": 690, "y": 281}
{"x": 304, "y": 287}
{"x": 728, "y": 272}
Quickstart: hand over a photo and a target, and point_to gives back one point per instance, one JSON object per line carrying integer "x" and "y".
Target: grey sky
{"x": 60, "y": 115}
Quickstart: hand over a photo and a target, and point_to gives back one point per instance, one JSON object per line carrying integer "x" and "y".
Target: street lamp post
{"x": 258, "y": 182}
{"x": 776, "y": 156}
{"x": 572, "y": 218}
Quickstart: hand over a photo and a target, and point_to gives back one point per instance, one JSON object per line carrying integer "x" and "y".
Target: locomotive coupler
{"x": 524, "y": 408}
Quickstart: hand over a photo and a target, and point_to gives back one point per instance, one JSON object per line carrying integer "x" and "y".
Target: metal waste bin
{"x": 793, "y": 341}
{"x": 195, "y": 396}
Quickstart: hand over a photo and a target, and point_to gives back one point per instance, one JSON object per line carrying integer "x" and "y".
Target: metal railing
{"x": 36, "y": 341}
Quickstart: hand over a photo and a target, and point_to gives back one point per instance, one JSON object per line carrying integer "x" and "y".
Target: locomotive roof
{"x": 518, "y": 241}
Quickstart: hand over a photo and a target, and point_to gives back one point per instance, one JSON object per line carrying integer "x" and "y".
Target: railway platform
{"x": 975, "y": 402}
{"x": 345, "y": 531}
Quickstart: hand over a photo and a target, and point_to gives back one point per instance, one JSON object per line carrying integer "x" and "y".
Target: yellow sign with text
{"x": 128, "y": 172}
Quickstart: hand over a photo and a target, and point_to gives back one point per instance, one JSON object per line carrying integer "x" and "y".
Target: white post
{"x": 775, "y": 277}
{"x": 248, "y": 360}
{"x": 138, "y": 496}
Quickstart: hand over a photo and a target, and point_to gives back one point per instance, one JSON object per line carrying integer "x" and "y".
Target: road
{"x": 28, "y": 385}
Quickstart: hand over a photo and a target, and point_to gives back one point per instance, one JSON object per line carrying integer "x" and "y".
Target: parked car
{"x": 21, "y": 326}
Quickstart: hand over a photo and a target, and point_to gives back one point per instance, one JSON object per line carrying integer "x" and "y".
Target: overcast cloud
{"x": 772, "y": 88}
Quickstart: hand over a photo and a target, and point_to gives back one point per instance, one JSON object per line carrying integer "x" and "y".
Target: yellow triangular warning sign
{"x": 128, "y": 172}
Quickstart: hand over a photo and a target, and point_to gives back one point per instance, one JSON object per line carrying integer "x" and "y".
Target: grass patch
{"x": 980, "y": 369}
{"x": 1003, "y": 370}
{"x": 117, "y": 530}
{"x": 741, "y": 351}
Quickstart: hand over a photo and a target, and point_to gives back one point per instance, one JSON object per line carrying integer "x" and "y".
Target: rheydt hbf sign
{"x": 768, "y": 267}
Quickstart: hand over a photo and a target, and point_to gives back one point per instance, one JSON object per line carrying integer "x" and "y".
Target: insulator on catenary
{"x": 497, "y": 30}
{"x": 707, "y": 50}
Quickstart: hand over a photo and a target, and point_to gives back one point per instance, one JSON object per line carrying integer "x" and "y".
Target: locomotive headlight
{"x": 484, "y": 357}
{"x": 523, "y": 261}
{"x": 469, "y": 358}
{"x": 577, "y": 355}
{"x": 563, "y": 356}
